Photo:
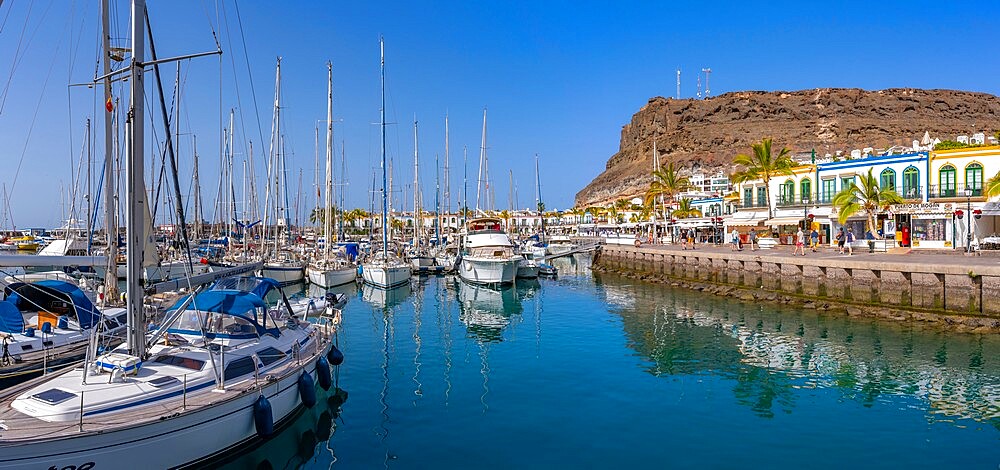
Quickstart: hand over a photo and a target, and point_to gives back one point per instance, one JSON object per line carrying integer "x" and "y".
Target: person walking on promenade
{"x": 850, "y": 240}
{"x": 800, "y": 242}
{"x": 815, "y": 239}
{"x": 753, "y": 240}
{"x": 841, "y": 238}
{"x": 690, "y": 239}
{"x": 684, "y": 236}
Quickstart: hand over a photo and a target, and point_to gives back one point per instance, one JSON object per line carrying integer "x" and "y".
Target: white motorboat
{"x": 559, "y": 244}
{"x": 527, "y": 268}
{"x": 488, "y": 255}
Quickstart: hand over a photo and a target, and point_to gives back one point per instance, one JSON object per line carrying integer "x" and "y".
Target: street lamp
{"x": 968, "y": 223}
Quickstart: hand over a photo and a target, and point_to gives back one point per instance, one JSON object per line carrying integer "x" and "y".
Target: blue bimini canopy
{"x": 53, "y": 296}
{"x": 11, "y": 320}
{"x": 244, "y": 305}
{"x": 259, "y": 286}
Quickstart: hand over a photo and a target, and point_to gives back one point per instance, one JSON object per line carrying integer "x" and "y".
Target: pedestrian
{"x": 841, "y": 238}
{"x": 690, "y": 240}
{"x": 734, "y": 240}
{"x": 753, "y": 240}
{"x": 684, "y": 236}
{"x": 800, "y": 242}
{"x": 850, "y": 240}
{"x": 871, "y": 241}
{"x": 815, "y": 239}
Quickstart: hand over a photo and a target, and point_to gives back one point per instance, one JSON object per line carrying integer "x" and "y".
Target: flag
{"x": 108, "y": 105}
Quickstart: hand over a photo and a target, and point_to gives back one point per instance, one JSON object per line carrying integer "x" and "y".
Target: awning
{"x": 743, "y": 223}
{"x": 777, "y": 221}
{"x": 991, "y": 208}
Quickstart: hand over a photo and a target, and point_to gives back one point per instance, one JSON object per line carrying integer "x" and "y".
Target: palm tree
{"x": 684, "y": 209}
{"x": 866, "y": 196}
{"x": 505, "y": 215}
{"x": 667, "y": 182}
{"x": 992, "y": 186}
{"x": 763, "y": 165}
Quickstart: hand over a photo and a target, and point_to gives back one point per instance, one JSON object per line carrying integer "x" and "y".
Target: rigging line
{"x": 34, "y": 118}
{"x": 253, "y": 92}
{"x": 5, "y": 17}
{"x": 18, "y": 60}
{"x": 236, "y": 82}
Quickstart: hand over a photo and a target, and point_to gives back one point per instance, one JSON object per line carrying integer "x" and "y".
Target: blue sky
{"x": 559, "y": 78}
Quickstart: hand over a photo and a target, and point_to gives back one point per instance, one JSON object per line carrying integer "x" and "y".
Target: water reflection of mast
{"x": 484, "y": 357}
{"x": 418, "y": 306}
{"x": 387, "y": 333}
{"x": 444, "y": 324}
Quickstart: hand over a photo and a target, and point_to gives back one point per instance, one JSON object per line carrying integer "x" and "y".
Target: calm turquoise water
{"x": 607, "y": 372}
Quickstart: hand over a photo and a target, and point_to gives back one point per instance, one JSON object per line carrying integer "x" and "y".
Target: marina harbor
{"x": 302, "y": 235}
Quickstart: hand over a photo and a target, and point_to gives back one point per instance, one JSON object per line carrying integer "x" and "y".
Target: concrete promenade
{"x": 950, "y": 287}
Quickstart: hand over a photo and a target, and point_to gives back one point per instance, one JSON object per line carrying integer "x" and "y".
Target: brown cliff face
{"x": 706, "y": 134}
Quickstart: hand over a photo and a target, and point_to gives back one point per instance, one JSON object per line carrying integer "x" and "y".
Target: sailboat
{"x": 385, "y": 270}
{"x": 282, "y": 265}
{"x": 330, "y": 270}
{"x": 418, "y": 256}
{"x": 221, "y": 371}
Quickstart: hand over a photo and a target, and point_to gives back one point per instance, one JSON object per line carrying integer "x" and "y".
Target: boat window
{"x": 180, "y": 361}
{"x": 164, "y": 381}
{"x": 53, "y": 396}
{"x": 239, "y": 368}
{"x": 217, "y": 323}
{"x": 270, "y": 355}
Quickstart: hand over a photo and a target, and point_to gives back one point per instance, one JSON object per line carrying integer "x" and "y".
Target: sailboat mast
{"x": 416, "y": 189}
{"x": 482, "y": 160}
{"x": 385, "y": 199}
{"x": 135, "y": 195}
{"x": 447, "y": 181}
{"x": 328, "y": 201}
{"x": 110, "y": 176}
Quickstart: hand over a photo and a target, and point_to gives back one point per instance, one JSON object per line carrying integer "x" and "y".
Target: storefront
{"x": 922, "y": 225}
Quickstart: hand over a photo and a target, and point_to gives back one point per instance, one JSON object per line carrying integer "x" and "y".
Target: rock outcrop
{"x": 704, "y": 135}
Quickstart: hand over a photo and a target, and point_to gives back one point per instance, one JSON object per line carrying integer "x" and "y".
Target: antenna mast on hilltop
{"x": 678, "y": 83}
{"x": 707, "y": 72}
{"x": 699, "y": 87}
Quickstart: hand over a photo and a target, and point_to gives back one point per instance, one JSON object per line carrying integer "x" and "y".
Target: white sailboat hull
{"x": 491, "y": 271}
{"x": 331, "y": 277}
{"x": 166, "y": 271}
{"x": 385, "y": 277}
{"x": 284, "y": 273}
{"x": 174, "y": 440}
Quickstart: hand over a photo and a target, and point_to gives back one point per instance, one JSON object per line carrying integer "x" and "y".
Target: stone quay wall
{"x": 951, "y": 292}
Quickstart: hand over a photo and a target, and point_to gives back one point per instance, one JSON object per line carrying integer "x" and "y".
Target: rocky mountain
{"x": 704, "y": 135}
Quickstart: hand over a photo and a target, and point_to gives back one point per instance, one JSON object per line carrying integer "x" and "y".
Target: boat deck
{"x": 17, "y": 428}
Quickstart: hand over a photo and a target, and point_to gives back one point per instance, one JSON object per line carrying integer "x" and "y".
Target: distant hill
{"x": 706, "y": 134}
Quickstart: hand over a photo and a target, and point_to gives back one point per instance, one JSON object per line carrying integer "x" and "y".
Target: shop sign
{"x": 920, "y": 207}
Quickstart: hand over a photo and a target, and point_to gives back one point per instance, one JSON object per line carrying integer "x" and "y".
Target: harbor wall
{"x": 952, "y": 294}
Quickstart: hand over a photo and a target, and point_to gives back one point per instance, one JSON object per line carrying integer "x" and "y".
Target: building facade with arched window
{"x": 957, "y": 180}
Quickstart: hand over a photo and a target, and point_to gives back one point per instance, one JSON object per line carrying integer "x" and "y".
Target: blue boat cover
{"x": 351, "y": 249}
{"x": 237, "y": 303}
{"x": 259, "y": 286}
{"x": 11, "y": 320}
{"x": 86, "y": 313}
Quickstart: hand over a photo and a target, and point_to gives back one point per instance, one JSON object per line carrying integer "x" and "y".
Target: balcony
{"x": 799, "y": 201}
{"x": 911, "y": 194}
{"x": 952, "y": 191}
